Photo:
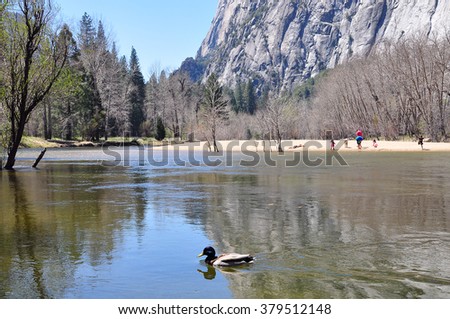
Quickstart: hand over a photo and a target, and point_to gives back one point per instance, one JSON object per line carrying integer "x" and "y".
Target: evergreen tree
{"x": 92, "y": 58}
{"x": 137, "y": 94}
{"x": 239, "y": 97}
{"x": 87, "y": 32}
{"x": 160, "y": 129}
{"x": 232, "y": 99}
{"x": 100, "y": 40}
{"x": 250, "y": 98}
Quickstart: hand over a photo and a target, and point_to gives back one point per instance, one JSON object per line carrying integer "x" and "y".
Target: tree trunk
{"x": 213, "y": 131}
{"x": 69, "y": 122}
{"x": 45, "y": 122}
{"x": 176, "y": 126}
{"x": 49, "y": 122}
{"x": 106, "y": 125}
{"x": 280, "y": 148}
{"x": 36, "y": 163}
{"x": 12, "y": 151}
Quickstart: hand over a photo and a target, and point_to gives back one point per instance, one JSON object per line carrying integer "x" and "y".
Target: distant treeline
{"x": 402, "y": 88}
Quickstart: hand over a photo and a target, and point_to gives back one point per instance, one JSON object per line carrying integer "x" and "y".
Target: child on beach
{"x": 375, "y": 144}
{"x": 359, "y": 139}
{"x": 421, "y": 141}
{"x": 332, "y": 145}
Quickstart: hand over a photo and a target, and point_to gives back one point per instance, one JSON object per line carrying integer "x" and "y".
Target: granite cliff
{"x": 280, "y": 43}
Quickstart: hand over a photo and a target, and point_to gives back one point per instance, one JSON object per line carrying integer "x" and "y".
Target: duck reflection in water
{"x": 210, "y": 272}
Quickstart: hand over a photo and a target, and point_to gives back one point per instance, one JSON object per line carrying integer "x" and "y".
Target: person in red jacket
{"x": 359, "y": 138}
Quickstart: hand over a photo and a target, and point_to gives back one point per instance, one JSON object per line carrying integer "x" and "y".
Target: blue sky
{"x": 163, "y": 32}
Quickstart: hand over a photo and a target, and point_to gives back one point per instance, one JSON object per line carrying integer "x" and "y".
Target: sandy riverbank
{"x": 260, "y": 145}
{"x": 384, "y": 146}
{"x": 319, "y": 145}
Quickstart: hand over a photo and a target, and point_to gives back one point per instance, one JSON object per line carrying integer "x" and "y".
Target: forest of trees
{"x": 401, "y": 89}
{"x": 88, "y": 92}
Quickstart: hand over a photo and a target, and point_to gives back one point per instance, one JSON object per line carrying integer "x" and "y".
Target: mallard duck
{"x": 231, "y": 259}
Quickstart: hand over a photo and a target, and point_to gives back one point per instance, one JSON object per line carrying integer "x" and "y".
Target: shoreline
{"x": 315, "y": 145}
{"x": 263, "y": 145}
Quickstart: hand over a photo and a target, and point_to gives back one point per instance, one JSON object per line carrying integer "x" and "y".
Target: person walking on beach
{"x": 421, "y": 141}
{"x": 332, "y": 145}
{"x": 359, "y": 138}
{"x": 375, "y": 144}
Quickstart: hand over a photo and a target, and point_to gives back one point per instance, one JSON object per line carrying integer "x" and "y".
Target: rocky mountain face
{"x": 280, "y": 43}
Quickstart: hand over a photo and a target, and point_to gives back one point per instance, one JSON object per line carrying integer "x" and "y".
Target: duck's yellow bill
{"x": 200, "y": 255}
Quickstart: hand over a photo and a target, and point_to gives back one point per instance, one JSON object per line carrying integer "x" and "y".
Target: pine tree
{"x": 232, "y": 99}
{"x": 87, "y": 32}
{"x": 137, "y": 94}
{"x": 239, "y": 96}
{"x": 250, "y": 98}
{"x": 160, "y": 130}
{"x": 92, "y": 57}
{"x": 100, "y": 40}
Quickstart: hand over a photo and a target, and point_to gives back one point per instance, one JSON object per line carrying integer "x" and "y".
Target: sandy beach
{"x": 319, "y": 145}
{"x": 383, "y": 146}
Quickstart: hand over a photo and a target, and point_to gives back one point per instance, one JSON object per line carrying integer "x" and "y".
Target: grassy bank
{"x": 37, "y": 142}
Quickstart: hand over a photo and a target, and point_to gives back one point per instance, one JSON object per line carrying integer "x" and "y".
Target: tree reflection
{"x": 55, "y": 220}
{"x": 312, "y": 241}
{"x": 60, "y": 225}
{"x": 27, "y": 237}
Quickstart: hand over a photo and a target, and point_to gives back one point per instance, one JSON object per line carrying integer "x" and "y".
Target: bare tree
{"x": 151, "y": 105}
{"x": 214, "y": 108}
{"x": 114, "y": 87}
{"x": 278, "y": 120}
{"x": 182, "y": 99}
{"x": 34, "y": 56}
{"x": 402, "y": 88}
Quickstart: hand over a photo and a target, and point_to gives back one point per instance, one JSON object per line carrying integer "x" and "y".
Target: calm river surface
{"x": 378, "y": 227}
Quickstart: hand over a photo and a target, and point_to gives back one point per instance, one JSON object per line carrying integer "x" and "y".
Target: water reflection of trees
{"x": 26, "y": 271}
{"x": 315, "y": 239}
{"x": 312, "y": 233}
{"x": 53, "y": 221}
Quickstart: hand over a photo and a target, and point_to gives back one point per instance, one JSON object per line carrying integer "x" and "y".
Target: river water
{"x": 88, "y": 224}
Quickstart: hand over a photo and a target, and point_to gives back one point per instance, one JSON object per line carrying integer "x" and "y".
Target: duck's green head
{"x": 209, "y": 252}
